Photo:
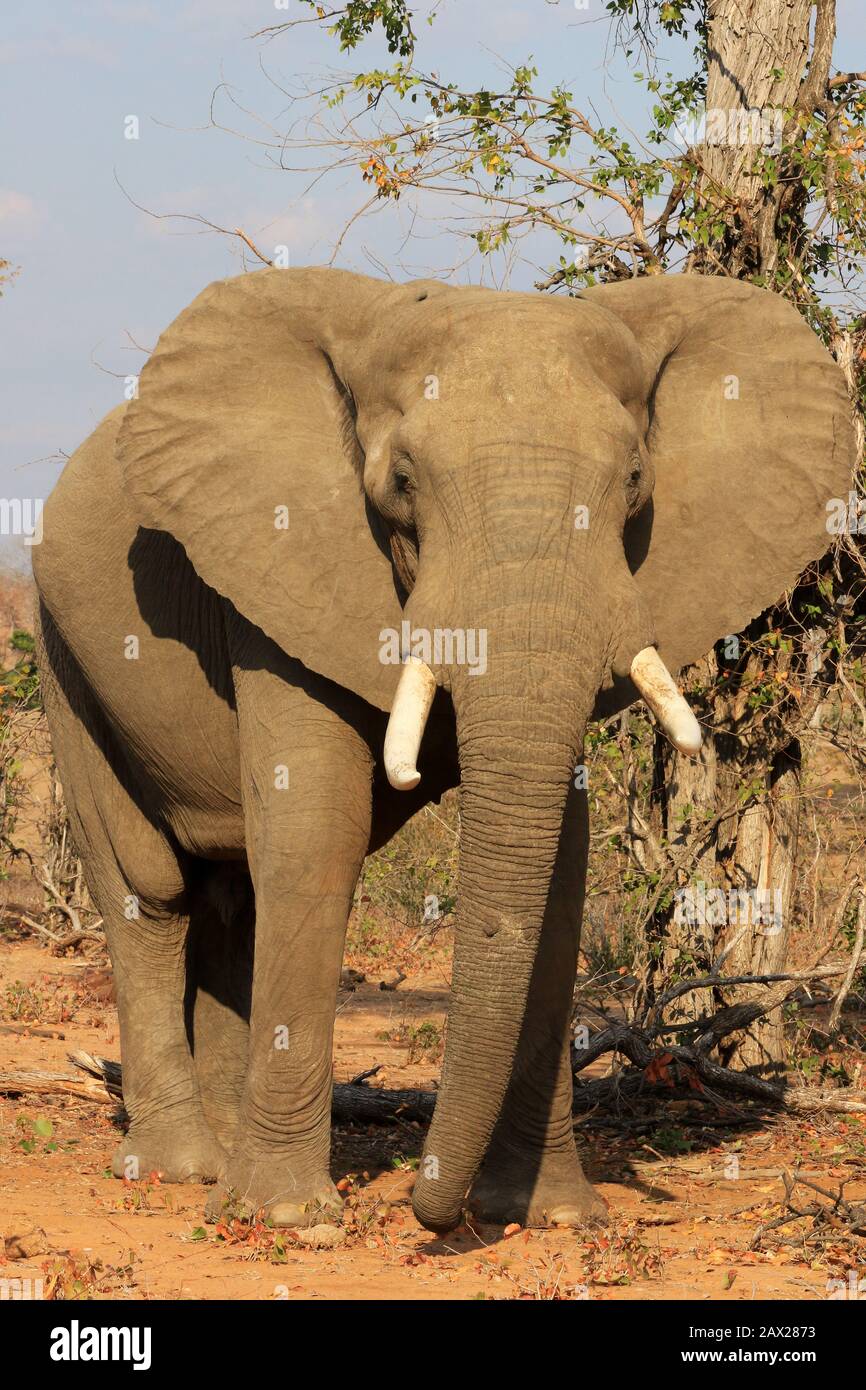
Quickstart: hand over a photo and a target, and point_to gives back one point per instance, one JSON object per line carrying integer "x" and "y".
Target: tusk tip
{"x": 404, "y": 778}
{"x": 685, "y": 734}
{"x": 656, "y": 686}
{"x": 409, "y": 710}
{"x": 690, "y": 746}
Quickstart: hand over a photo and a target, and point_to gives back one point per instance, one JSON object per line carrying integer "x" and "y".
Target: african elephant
{"x": 342, "y": 510}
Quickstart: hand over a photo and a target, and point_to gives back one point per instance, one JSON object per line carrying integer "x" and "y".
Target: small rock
{"x": 323, "y": 1237}
{"x": 25, "y": 1244}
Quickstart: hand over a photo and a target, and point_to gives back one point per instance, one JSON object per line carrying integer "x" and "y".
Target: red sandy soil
{"x": 682, "y": 1225}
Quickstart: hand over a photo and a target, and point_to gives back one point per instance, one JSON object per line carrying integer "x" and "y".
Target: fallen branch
{"x": 54, "y": 1083}
{"x": 840, "y": 1217}
{"x": 30, "y": 1030}
{"x": 637, "y": 1041}
{"x": 714, "y": 980}
{"x": 79, "y": 932}
{"x": 653, "y": 1067}
{"x": 353, "y": 1103}
{"x": 72, "y": 939}
{"x": 372, "y": 1105}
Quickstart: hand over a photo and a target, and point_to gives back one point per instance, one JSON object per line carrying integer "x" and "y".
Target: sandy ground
{"x": 686, "y": 1200}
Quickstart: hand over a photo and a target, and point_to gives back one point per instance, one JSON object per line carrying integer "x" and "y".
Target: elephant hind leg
{"x": 138, "y": 881}
{"x": 219, "y": 991}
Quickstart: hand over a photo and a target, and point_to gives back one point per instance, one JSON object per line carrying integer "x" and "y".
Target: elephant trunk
{"x": 520, "y": 732}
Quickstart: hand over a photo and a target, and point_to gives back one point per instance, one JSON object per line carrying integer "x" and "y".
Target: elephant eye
{"x": 633, "y": 480}
{"x": 402, "y": 482}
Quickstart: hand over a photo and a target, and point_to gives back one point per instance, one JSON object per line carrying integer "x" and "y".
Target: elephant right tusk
{"x": 412, "y": 700}
{"x": 657, "y": 688}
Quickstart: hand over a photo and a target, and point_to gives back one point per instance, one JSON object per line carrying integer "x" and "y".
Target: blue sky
{"x": 98, "y": 275}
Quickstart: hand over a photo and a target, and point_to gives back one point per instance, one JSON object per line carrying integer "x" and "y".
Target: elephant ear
{"x": 241, "y": 444}
{"x": 749, "y": 428}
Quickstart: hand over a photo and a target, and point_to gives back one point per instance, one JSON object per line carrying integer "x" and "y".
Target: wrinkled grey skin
{"x": 313, "y": 457}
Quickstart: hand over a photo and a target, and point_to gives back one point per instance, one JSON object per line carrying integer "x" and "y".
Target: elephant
{"x": 354, "y": 543}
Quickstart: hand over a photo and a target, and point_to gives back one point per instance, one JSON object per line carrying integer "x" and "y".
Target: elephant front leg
{"x": 532, "y": 1174}
{"x": 308, "y": 824}
{"x": 280, "y": 1158}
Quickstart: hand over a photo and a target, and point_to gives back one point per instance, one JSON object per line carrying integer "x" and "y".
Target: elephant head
{"x": 590, "y": 491}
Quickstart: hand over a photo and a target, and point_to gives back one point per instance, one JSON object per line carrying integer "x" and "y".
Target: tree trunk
{"x": 758, "y": 51}
{"x": 764, "y": 857}
{"x": 761, "y": 61}
{"x": 687, "y": 793}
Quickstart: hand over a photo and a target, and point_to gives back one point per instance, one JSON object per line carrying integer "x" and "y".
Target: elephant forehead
{"x": 513, "y": 345}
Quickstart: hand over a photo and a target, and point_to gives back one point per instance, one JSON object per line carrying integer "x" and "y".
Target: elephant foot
{"x": 287, "y": 1196}
{"x": 551, "y": 1191}
{"x": 185, "y": 1156}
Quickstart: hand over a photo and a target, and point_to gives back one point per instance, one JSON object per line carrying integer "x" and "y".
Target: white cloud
{"x": 14, "y": 204}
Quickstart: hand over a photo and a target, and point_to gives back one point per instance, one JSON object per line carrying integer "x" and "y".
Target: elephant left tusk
{"x": 656, "y": 685}
{"x": 408, "y": 719}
